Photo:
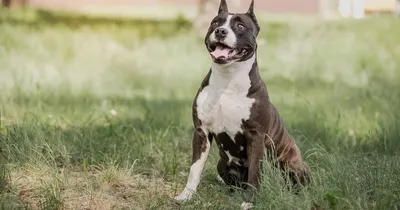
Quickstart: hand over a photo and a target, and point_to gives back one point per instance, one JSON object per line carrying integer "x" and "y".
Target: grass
{"x": 96, "y": 113}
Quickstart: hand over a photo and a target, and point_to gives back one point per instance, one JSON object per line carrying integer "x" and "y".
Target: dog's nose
{"x": 221, "y": 33}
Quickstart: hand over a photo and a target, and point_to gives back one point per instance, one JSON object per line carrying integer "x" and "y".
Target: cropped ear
{"x": 250, "y": 12}
{"x": 251, "y": 8}
{"x": 223, "y": 7}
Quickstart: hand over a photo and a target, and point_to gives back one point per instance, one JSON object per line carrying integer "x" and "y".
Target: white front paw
{"x": 247, "y": 205}
{"x": 185, "y": 195}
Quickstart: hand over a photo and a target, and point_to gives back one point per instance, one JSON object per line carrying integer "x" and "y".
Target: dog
{"x": 233, "y": 107}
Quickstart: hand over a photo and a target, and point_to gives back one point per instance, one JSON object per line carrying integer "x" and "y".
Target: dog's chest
{"x": 223, "y": 104}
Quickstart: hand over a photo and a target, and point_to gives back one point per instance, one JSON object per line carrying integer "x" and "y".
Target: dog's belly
{"x": 232, "y": 151}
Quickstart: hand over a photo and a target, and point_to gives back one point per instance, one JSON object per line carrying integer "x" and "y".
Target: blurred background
{"x": 96, "y": 96}
{"x": 200, "y": 11}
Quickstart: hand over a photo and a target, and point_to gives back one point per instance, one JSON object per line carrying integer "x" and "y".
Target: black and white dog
{"x": 233, "y": 107}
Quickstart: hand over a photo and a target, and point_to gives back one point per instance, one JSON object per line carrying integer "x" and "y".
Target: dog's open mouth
{"x": 223, "y": 52}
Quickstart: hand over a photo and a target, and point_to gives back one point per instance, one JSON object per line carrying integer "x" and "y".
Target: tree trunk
{"x": 208, "y": 9}
{"x": 14, "y": 3}
{"x": 6, "y": 3}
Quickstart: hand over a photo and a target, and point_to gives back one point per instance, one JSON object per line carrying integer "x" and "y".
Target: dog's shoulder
{"x": 206, "y": 80}
{"x": 203, "y": 84}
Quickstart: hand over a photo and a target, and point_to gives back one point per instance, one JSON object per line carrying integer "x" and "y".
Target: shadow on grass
{"x": 310, "y": 131}
{"x": 160, "y": 129}
{"x": 148, "y": 140}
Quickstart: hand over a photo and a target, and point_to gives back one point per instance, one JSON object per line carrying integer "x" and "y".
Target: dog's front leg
{"x": 255, "y": 151}
{"x": 200, "y": 150}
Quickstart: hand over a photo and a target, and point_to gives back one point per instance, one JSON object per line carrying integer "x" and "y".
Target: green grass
{"x": 336, "y": 85}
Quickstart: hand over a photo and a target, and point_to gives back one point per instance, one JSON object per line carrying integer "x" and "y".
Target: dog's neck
{"x": 233, "y": 70}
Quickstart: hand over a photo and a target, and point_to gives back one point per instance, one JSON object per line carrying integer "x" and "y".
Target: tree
{"x": 6, "y": 3}
{"x": 14, "y": 3}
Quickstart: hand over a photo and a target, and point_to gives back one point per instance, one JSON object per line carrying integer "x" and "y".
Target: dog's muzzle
{"x": 220, "y": 33}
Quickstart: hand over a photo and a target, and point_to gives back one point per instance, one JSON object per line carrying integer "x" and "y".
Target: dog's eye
{"x": 215, "y": 23}
{"x": 240, "y": 26}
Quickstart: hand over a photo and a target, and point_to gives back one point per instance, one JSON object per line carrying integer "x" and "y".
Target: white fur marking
{"x": 194, "y": 176}
{"x": 223, "y": 104}
{"x": 219, "y": 178}
{"x": 246, "y": 205}
{"x": 230, "y": 39}
{"x": 232, "y": 158}
{"x": 241, "y": 148}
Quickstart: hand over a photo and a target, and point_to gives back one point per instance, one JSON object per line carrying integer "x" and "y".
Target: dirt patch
{"x": 95, "y": 189}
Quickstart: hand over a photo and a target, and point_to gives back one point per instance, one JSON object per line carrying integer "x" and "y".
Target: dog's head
{"x": 231, "y": 37}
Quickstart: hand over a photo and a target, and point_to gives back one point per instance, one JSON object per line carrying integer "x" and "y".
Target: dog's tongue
{"x": 220, "y": 52}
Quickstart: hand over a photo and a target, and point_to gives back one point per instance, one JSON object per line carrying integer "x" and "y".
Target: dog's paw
{"x": 185, "y": 195}
{"x": 219, "y": 178}
{"x": 246, "y": 205}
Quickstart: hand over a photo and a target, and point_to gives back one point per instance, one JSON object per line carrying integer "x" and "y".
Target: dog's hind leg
{"x": 279, "y": 142}
{"x": 292, "y": 165}
{"x": 298, "y": 170}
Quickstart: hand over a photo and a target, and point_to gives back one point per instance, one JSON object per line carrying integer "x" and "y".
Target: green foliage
{"x": 51, "y": 200}
{"x": 4, "y": 177}
{"x": 79, "y": 92}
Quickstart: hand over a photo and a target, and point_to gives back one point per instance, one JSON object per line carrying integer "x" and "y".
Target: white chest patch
{"x": 223, "y": 104}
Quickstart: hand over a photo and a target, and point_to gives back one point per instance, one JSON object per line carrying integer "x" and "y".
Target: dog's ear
{"x": 250, "y": 12}
{"x": 223, "y": 7}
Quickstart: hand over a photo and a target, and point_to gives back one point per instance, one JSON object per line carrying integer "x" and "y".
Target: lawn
{"x": 96, "y": 113}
